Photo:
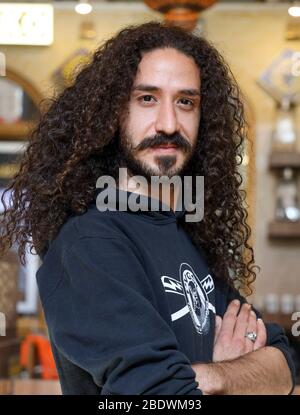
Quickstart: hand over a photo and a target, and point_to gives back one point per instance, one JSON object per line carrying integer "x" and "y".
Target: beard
{"x": 166, "y": 164}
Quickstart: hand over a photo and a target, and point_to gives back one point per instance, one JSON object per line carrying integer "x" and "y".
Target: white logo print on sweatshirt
{"x": 196, "y": 296}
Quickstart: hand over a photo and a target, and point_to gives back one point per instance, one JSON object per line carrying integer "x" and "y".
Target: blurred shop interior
{"x": 42, "y": 46}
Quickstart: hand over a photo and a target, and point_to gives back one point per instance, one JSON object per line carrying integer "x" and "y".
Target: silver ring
{"x": 251, "y": 335}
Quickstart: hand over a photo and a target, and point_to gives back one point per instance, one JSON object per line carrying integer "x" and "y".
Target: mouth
{"x": 165, "y": 148}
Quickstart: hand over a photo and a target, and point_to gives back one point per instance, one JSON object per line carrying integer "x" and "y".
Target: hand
{"x": 230, "y": 341}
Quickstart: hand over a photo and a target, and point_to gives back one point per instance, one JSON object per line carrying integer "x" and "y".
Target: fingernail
{"x": 253, "y": 313}
{"x": 236, "y": 302}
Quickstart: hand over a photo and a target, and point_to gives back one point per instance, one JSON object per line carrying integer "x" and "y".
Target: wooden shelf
{"x": 15, "y": 131}
{"x": 284, "y": 320}
{"x": 279, "y": 160}
{"x": 9, "y": 350}
{"x": 284, "y": 229}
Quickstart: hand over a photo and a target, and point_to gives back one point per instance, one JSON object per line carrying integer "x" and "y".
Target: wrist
{"x": 222, "y": 378}
{"x": 211, "y": 378}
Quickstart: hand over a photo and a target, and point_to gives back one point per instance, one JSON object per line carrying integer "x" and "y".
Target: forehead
{"x": 168, "y": 67}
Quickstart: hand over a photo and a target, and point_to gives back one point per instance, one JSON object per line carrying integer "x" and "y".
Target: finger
{"x": 218, "y": 327}
{"x": 252, "y": 326}
{"x": 261, "y": 339}
{"x": 229, "y": 319}
{"x": 242, "y": 322}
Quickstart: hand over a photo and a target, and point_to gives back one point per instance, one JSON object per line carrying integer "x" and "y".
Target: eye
{"x": 190, "y": 103}
{"x": 145, "y": 96}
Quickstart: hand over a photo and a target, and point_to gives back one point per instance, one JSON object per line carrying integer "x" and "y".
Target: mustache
{"x": 162, "y": 139}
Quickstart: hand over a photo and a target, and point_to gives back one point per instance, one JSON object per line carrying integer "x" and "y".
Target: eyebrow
{"x": 152, "y": 88}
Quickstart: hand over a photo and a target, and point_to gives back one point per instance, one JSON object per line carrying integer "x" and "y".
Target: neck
{"x": 166, "y": 194}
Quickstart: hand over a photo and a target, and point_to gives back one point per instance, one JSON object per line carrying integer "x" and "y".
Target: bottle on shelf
{"x": 287, "y": 204}
{"x": 284, "y": 135}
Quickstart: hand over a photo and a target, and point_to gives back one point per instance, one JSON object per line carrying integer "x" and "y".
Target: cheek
{"x": 190, "y": 125}
{"x": 143, "y": 117}
{"x": 139, "y": 123}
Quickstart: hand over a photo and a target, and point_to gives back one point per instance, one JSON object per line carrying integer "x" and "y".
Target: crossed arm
{"x": 241, "y": 366}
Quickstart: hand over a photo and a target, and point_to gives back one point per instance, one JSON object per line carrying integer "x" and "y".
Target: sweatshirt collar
{"x": 120, "y": 202}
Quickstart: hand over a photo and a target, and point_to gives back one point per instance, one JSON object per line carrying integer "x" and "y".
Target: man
{"x": 141, "y": 301}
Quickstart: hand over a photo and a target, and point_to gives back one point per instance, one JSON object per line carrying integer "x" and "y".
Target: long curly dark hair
{"x": 76, "y": 141}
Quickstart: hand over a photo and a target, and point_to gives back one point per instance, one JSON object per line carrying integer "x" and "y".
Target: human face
{"x": 160, "y": 129}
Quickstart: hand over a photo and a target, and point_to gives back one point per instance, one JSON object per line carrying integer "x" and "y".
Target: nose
{"x": 166, "y": 120}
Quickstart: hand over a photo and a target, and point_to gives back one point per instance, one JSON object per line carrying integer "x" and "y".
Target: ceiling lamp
{"x": 183, "y": 13}
{"x": 83, "y": 7}
{"x": 292, "y": 31}
{"x": 294, "y": 10}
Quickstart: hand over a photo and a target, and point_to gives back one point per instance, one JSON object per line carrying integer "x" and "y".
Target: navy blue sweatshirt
{"x": 130, "y": 303}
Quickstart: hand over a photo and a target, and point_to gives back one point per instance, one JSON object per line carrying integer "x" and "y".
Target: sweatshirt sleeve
{"x": 103, "y": 316}
{"x": 276, "y": 336}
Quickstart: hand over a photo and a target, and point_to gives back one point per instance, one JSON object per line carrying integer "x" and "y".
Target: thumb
{"x": 218, "y": 326}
